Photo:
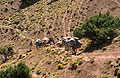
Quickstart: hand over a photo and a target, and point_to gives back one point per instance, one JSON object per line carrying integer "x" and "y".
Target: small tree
{"x": 98, "y": 28}
{"x": 19, "y": 71}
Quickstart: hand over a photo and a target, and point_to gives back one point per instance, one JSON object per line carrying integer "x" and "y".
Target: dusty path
{"x": 64, "y": 24}
{"x": 110, "y": 54}
{"x": 100, "y": 55}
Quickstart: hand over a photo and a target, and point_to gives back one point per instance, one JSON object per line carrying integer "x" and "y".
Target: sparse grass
{"x": 104, "y": 48}
{"x": 33, "y": 67}
{"x": 80, "y": 60}
{"x": 5, "y": 66}
{"x": 20, "y": 55}
{"x": 38, "y": 71}
{"x": 43, "y": 73}
{"x": 73, "y": 77}
{"x": 59, "y": 9}
{"x": 117, "y": 39}
{"x": 104, "y": 76}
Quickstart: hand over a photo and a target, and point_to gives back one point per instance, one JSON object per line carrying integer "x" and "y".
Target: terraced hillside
{"x": 54, "y": 18}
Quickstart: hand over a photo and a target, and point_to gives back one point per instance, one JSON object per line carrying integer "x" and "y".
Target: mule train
{"x": 69, "y": 43}
{"x": 44, "y": 42}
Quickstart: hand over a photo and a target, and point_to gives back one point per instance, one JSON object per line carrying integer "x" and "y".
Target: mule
{"x": 38, "y": 43}
{"x": 51, "y": 41}
{"x": 74, "y": 45}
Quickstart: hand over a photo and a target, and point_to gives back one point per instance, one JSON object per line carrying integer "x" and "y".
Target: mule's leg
{"x": 74, "y": 51}
{"x": 36, "y": 46}
{"x": 71, "y": 50}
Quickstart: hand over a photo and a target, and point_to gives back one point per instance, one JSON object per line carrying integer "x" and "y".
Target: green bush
{"x": 98, "y": 28}
{"x": 19, "y": 71}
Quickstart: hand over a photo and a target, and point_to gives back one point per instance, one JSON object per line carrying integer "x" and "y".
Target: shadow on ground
{"x": 96, "y": 46}
{"x": 26, "y": 3}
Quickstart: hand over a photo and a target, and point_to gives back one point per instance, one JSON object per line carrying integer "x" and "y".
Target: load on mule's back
{"x": 74, "y": 43}
{"x": 51, "y": 41}
{"x": 65, "y": 41}
{"x": 70, "y": 43}
{"x": 45, "y": 41}
{"x": 38, "y": 43}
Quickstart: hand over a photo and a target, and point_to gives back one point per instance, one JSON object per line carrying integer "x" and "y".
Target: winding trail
{"x": 64, "y": 24}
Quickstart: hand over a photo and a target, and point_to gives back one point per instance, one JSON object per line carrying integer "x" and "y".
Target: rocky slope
{"x": 54, "y": 19}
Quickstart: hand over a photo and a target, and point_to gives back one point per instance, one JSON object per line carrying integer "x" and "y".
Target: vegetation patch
{"x": 19, "y": 71}
{"x": 99, "y": 28}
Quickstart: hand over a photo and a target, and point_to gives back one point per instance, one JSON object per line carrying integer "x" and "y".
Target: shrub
{"x": 50, "y": 27}
{"x": 118, "y": 74}
{"x": 73, "y": 65}
{"x": 16, "y": 22}
{"x": 60, "y": 67}
{"x": 5, "y": 9}
{"x": 79, "y": 61}
{"x": 92, "y": 60}
{"x": 43, "y": 73}
{"x": 38, "y": 72}
{"x": 116, "y": 70}
{"x": 19, "y": 71}
{"x": 98, "y": 28}
{"x": 33, "y": 67}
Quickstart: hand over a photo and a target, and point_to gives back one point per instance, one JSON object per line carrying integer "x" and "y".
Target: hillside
{"x": 49, "y": 18}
